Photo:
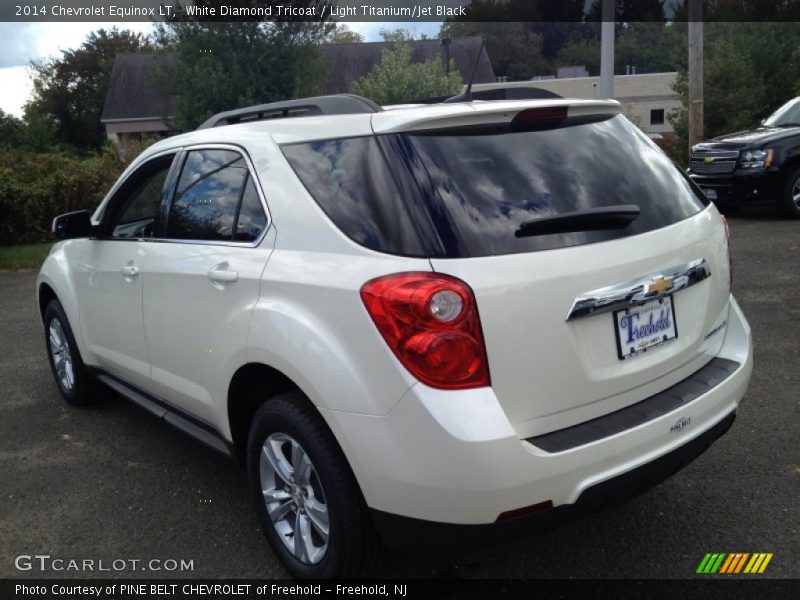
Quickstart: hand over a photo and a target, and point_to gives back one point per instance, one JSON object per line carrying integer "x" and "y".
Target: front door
{"x": 110, "y": 294}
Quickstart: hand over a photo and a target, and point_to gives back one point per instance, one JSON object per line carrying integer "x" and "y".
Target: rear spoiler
{"x": 482, "y": 113}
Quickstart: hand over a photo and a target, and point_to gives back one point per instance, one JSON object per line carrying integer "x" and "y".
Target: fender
{"x": 349, "y": 374}
{"x": 57, "y": 274}
{"x": 311, "y": 325}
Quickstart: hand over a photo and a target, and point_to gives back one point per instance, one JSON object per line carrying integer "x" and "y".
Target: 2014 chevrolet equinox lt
{"x": 417, "y": 325}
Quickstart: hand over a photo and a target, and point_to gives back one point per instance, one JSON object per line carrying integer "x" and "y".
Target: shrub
{"x": 35, "y": 187}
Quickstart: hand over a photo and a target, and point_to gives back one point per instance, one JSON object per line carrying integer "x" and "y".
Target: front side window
{"x": 214, "y": 187}
{"x": 136, "y": 205}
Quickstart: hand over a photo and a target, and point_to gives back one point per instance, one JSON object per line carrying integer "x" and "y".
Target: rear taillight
{"x": 728, "y": 243}
{"x": 431, "y": 323}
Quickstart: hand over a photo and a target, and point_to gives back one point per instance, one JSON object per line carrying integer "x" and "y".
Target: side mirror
{"x": 73, "y": 225}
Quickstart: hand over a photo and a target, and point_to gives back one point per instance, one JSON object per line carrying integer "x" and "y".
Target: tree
{"x": 70, "y": 91}
{"x": 749, "y": 71}
{"x": 396, "y": 79}
{"x": 344, "y": 35}
{"x": 222, "y": 66}
{"x": 10, "y": 128}
{"x": 626, "y": 11}
{"x": 514, "y": 49}
{"x": 401, "y": 34}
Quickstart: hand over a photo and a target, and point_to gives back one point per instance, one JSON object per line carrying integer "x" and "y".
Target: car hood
{"x": 749, "y": 139}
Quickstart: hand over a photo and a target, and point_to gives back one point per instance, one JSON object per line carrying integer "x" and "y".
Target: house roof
{"x": 349, "y": 62}
{"x": 134, "y": 91}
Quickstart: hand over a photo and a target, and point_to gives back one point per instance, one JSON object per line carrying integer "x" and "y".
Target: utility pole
{"x": 695, "y": 72}
{"x": 607, "y": 51}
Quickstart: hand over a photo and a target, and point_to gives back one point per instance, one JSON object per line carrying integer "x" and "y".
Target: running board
{"x": 201, "y": 432}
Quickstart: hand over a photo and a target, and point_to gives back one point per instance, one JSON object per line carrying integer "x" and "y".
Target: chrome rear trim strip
{"x": 639, "y": 291}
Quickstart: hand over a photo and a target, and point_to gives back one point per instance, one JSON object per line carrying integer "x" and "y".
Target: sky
{"x": 21, "y": 43}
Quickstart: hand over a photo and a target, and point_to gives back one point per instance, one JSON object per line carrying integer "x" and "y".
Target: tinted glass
{"x": 351, "y": 182}
{"x": 136, "y": 216}
{"x": 207, "y": 195}
{"x": 492, "y": 183}
{"x": 252, "y": 219}
{"x": 786, "y": 115}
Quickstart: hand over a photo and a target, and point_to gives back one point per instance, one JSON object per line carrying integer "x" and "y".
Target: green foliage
{"x": 35, "y": 187}
{"x": 10, "y": 129}
{"x": 750, "y": 69}
{"x": 514, "y": 49}
{"x": 223, "y": 66}
{"x": 626, "y": 11}
{"x": 401, "y": 34}
{"x": 69, "y": 92}
{"x": 396, "y": 79}
{"x": 650, "y": 47}
{"x": 582, "y": 52}
{"x": 344, "y": 35}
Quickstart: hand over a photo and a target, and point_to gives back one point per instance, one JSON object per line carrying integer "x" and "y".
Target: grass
{"x": 28, "y": 256}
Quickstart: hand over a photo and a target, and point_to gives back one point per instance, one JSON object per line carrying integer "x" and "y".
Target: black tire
{"x": 785, "y": 201}
{"x": 353, "y": 548}
{"x": 83, "y": 390}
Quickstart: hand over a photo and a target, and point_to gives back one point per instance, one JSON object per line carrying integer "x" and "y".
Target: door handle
{"x": 221, "y": 273}
{"x": 129, "y": 271}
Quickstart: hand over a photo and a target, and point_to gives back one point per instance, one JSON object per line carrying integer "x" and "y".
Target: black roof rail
{"x": 338, "y": 104}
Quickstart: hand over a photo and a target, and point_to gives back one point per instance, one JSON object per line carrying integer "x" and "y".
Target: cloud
{"x": 372, "y": 31}
{"x": 17, "y": 44}
{"x": 16, "y": 87}
{"x": 20, "y": 43}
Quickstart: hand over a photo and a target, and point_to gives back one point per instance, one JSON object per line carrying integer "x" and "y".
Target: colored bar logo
{"x": 734, "y": 563}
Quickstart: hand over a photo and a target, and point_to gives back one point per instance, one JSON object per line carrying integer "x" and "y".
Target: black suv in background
{"x": 754, "y": 167}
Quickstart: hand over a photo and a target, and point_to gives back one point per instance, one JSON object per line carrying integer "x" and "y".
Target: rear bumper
{"x": 454, "y": 458}
{"x": 405, "y": 533}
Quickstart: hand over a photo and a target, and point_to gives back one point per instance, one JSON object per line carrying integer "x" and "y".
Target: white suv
{"x": 417, "y": 326}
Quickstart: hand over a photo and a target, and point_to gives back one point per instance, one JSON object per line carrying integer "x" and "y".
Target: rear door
{"x": 552, "y": 366}
{"x": 203, "y": 278}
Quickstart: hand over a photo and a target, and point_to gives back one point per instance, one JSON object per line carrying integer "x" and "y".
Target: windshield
{"x": 788, "y": 114}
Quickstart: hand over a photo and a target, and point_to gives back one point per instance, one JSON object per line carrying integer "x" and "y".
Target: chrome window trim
{"x": 638, "y": 291}
{"x": 189, "y": 148}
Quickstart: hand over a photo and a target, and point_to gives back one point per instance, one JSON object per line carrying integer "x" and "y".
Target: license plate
{"x": 644, "y": 327}
{"x": 711, "y": 194}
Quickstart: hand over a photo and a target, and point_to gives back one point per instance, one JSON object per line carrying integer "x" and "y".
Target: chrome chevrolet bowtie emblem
{"x": 708, "y": 159}
{"x": 660, "y": 285}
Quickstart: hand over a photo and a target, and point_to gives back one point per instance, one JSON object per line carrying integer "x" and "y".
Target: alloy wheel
{"x": 796, "y": 192}
{"x": 61, "y": 355}
{"x": 294, "y": 498}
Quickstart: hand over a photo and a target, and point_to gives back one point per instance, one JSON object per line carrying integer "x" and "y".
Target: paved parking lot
{"x": 111, "y": 482}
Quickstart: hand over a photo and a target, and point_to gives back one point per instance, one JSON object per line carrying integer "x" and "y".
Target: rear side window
{"x": 215, "y": 199}
{"x": 251, "y": 219}
{"x": 491, "y": 182}
{"x": 351, "y": 182}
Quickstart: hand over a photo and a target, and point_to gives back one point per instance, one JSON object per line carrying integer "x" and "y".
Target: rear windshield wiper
{"x": 595, "y": 219}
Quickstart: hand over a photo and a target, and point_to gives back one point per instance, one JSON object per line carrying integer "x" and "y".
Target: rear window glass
{"x": 492, "y": 182}
{"x": 351, "y": 182}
